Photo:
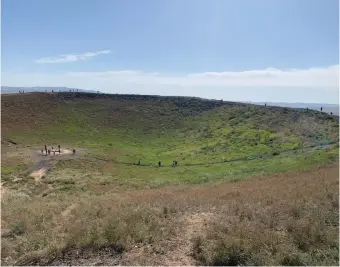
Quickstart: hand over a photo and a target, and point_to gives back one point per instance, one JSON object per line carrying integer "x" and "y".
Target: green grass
{"x": 189, "y": 131}
{"x": 151, "y": 176}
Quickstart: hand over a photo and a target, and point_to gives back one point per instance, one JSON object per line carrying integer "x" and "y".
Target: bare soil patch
{"x": 37, "y": 175}
{"x": 66, "y": 213}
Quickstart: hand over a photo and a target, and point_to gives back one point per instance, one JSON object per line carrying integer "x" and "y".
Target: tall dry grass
{"x": 283, "y": 219}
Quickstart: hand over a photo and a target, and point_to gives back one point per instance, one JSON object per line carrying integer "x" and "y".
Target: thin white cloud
{"x": 269, "y": 84}
{"x": 71, "y": 57}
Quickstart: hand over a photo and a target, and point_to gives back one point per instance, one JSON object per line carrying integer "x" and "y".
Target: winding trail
{"x": 253, "y": 157}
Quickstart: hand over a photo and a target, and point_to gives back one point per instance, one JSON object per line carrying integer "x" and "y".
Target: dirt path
{"x": 4, "y": 191}
{"x": 45, "y": 162}
{"x": 67, "y": 212}
{"x": 37, "y": 175}
{"x": 180, "y": 247}
{"x": 193, "y": 226}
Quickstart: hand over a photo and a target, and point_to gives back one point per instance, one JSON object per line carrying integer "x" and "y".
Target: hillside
{"x": 188, "y": 129}
{"x": 248, "y": 177}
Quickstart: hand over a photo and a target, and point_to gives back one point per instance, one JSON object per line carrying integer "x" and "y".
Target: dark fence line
{"x": 254, "y": 157}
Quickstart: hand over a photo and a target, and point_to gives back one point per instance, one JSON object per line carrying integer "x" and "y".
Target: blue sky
{"x": 246, "y": 50}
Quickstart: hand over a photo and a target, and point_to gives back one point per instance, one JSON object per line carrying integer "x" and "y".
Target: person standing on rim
{"x": 159, "y": 163}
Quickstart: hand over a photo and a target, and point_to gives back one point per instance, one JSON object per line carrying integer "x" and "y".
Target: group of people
{"x": 174, "y": 163}
{"x": 48, "y": 151}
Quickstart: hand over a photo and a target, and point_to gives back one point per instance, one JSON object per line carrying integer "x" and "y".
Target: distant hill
{"x": 13, "y": 90}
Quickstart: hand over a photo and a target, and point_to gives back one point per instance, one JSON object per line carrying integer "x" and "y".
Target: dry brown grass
{"x": 283, "y": 219}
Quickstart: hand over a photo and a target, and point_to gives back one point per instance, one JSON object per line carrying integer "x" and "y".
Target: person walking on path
{"x": 159, "y": 163}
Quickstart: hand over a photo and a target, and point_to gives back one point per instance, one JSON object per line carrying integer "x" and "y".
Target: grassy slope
{"x": 149, "y": 129}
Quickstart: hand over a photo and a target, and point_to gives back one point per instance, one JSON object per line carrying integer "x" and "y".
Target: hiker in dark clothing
{"x": 49, "y": 152}
{"x": 159, "y": 164}
{"x": 331, "y": 113}
{"x": 265, "y": 104}
{"x": 74, "y": 151}
{"x": 59, "y": 147}
{"x": 45, "y": 147}
{"x": 59, "y": 150}
{"x": 321, "y": 109}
